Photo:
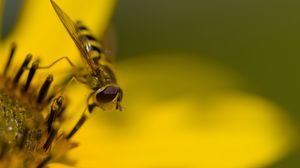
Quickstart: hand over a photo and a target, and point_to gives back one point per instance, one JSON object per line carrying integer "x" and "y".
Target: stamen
{"x": 23, "y": 140}
{"x": 55, "y": 109}
{"x": 22, "y": 69}
{"x": 50, "y": 97}
{"x": 44, "y": 89}
{"x": 4, "y": 149}
{"x": 50, "y": 139}
{"x": 31, "y": 73}
{"x": 12, "y": 51}
{"x": 44, "y": 162}
{"x": 61, "y": 111}
{"x": 36, "y": 136}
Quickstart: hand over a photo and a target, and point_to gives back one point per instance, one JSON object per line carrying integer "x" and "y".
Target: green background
{"x": 260, "y": 39}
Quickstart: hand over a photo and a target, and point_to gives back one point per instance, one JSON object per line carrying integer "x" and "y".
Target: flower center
{"x": 20, "y": 126}
{"x": 30, "y": 119}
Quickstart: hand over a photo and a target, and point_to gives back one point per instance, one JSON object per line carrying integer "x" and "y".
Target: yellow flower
{"x": 179, "y": 111}
{"x": 32, "y": 38}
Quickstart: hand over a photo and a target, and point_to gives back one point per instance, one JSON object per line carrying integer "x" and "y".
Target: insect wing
{"x": 71, "y": 28}
{"x": 109, "y": 43}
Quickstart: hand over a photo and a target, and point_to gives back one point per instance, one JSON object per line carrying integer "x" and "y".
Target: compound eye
{"x": 107, "y": 95}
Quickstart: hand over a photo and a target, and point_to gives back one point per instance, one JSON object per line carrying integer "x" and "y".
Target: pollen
{"x": 30, "y": 118}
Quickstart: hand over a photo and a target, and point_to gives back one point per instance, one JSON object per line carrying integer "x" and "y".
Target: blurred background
{"x": 255, "y": 41}
{"x": 258, "y": 39}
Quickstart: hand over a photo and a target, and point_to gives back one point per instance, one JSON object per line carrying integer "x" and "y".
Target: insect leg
{"x": 61, "y": 87}
{"x": 74, "y": 67}
{"x": 73, "y": 76}
{"x": 58, "y": 60}
{"x": 87, "y": 112}
{"x": 32, "y": 70}
{"x": 78, "y": 125}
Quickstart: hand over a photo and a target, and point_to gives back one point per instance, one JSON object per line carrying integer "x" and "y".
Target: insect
{"x": 97, "y": 73}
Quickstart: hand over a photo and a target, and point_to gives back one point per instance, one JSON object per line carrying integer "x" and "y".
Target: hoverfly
{"x": 97, "y": 74}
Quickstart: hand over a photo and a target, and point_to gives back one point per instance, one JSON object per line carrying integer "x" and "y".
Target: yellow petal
{"x": 183, "y": 112}
{"x": 40, "y": 32}
{"x": 57, "y": 165}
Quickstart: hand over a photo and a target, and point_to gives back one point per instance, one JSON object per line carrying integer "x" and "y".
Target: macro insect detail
{"x": 96, "y": 72}
{"x": 30, "y": 117}
{"x": 32, "y": 114}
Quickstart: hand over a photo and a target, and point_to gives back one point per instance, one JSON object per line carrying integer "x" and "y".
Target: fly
{"x": 97, "y": 74}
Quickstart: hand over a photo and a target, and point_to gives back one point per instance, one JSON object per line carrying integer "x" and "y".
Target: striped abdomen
{"x": 91, "y": 44}
{"x": 95, "y": 52}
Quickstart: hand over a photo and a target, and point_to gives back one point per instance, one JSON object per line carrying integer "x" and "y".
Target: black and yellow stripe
{"x": 95, "y": 50}
{"x": 91, "y": 44}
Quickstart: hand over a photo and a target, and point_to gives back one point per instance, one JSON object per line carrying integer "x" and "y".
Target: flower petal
{"x": 57, "y": 165}
{"x": 40, "y": 32}
{"x": 184, "y": 112}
